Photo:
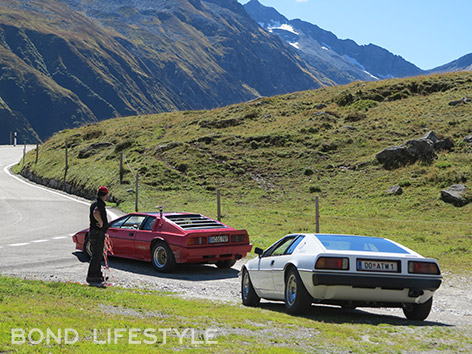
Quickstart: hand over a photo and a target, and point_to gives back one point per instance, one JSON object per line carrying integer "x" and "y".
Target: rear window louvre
{"x": 195, "y": 221}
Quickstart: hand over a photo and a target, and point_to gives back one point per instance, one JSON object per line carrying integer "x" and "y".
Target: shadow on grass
{"x": 334, "y": 314}
{"x": 190, "y": 272}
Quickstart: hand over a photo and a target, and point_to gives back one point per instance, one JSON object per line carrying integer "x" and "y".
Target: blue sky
{"x": 427, "y": 33}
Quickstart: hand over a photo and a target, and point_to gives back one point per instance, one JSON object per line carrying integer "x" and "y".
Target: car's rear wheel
{"x": 418, "y": 312}
{"x": 297, "y": 299}
{"x": 162, "y": 258}
{"x": 226, "y": 264}
{"x": 248, "y": 294}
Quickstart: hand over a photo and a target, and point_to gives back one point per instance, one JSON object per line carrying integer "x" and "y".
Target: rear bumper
{"x": 377, "y": 281}
{"x": 209, "y": 254}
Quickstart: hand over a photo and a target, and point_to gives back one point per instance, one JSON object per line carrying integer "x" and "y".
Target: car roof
{"x": 340, "y": 242}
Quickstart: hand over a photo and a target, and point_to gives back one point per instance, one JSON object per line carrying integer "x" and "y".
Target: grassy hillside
{"x": 272, "y": 156}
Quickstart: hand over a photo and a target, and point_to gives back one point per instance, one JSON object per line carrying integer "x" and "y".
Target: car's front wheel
{"x": 418, "y": 312}
{"x": 297, "y": 299}
{"x": 162, "y": 258}
{"x": 248, "y": 294}
{"x": 226, "y": 263}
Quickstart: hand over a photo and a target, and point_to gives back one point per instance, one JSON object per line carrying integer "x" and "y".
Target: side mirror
{"x": 258, "y": 251}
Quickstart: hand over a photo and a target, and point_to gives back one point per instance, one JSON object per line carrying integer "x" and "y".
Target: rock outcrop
{"x": 423, "y": 149}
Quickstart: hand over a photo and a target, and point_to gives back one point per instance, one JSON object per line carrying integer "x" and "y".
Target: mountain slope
{"x": 462, "y": 64}
{"x": 353, "y": 62}
{"x": 71, "y": 62}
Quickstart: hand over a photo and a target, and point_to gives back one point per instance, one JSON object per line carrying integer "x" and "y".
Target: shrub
{"x": 315, "y": 189}
{"x": 308, "y": 172}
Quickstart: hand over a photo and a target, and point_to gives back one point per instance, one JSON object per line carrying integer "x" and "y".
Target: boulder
{"x": 394, "y": 190}
{"x": 439, "y": 143}
{"x": 393, "y": 157}
{"x": 421, "y": 149}
{"x": 410, "y": 152}
{"x": 468, "y": 139}
{"x": 414, "y": 150}
{"x": 455, "y": 194}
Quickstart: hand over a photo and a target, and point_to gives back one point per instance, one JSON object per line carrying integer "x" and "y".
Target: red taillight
{"x": 238, "y": 238}
{"x": 201, "y": 240}
{"x": 332, "y": 263}
{"x": 423, "y": 268}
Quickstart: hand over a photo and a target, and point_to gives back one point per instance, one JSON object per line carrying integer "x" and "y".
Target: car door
{"x": 123, "y": 236}
{"x": 264, "y": 280}
{"x": 278, "y": 267}
{"x": 143, "y": 238}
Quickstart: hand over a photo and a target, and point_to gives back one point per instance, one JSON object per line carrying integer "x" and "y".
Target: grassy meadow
{"x": 119, "y": 320}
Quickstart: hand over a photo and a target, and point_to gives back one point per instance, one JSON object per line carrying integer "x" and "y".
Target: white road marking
{"x": 39, "y": 241}
{"x": 59, "y": 237}
{"x": 18, "y": 244}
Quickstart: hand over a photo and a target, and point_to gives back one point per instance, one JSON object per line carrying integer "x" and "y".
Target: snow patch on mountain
{"x": 283, "y": 27}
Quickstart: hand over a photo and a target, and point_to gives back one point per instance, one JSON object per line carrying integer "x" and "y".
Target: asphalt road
{"x": 36, "y": 225}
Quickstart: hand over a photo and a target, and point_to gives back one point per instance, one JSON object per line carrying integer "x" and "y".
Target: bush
{"x": 308, "y": 172}
{"x": 315, "y": 189}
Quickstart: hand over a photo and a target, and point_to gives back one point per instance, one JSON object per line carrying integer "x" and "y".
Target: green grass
{"x": 35, "y": 307}
{"x": 272, "y": 156}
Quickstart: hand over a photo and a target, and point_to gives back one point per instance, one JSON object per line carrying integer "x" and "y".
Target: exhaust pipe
{"x": 415, "y": 292}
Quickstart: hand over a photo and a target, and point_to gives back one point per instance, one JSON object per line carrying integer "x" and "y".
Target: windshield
{"x": 359, "y": 243}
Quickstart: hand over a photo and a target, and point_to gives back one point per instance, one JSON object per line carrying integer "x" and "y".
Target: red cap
{"x": 103, "y": 189}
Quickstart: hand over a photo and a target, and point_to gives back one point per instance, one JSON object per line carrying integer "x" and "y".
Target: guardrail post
{"x": 317, "y": 211}
{"x": 37, "y": 154}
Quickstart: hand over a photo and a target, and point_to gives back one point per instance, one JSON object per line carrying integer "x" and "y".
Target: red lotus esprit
{"x": 166, "y": 239}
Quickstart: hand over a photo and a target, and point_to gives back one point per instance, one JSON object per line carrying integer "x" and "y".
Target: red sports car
{"x": 170, "y": 238}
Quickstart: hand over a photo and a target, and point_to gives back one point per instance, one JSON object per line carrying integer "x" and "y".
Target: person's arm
{"x": 98, "y": 217}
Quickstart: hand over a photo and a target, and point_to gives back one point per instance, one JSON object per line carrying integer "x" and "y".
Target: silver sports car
{"x": 350, "y": 271}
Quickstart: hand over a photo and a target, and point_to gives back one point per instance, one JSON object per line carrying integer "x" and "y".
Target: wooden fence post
{"x": 137, "y": 188}
{"x": 121, "y": 168}
{"x": 218, "y": 204}
{"x": 37, "y": 154}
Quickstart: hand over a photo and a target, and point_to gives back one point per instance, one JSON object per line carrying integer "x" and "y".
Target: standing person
{"x": 98, "y": 228}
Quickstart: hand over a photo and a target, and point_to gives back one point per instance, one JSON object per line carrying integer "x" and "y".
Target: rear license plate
{"x": 218, "y": 239}
{"x": 368, "y": 265}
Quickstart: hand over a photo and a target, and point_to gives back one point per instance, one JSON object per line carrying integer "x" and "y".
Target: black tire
{"x": 297, "y": 299}
{"x": 226, "y": 264}
{"x": 418, "y": 312}
{"x": 248, "y": 294}
{"x": 162, "y": 258}
{"x": 87, "y": 248}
